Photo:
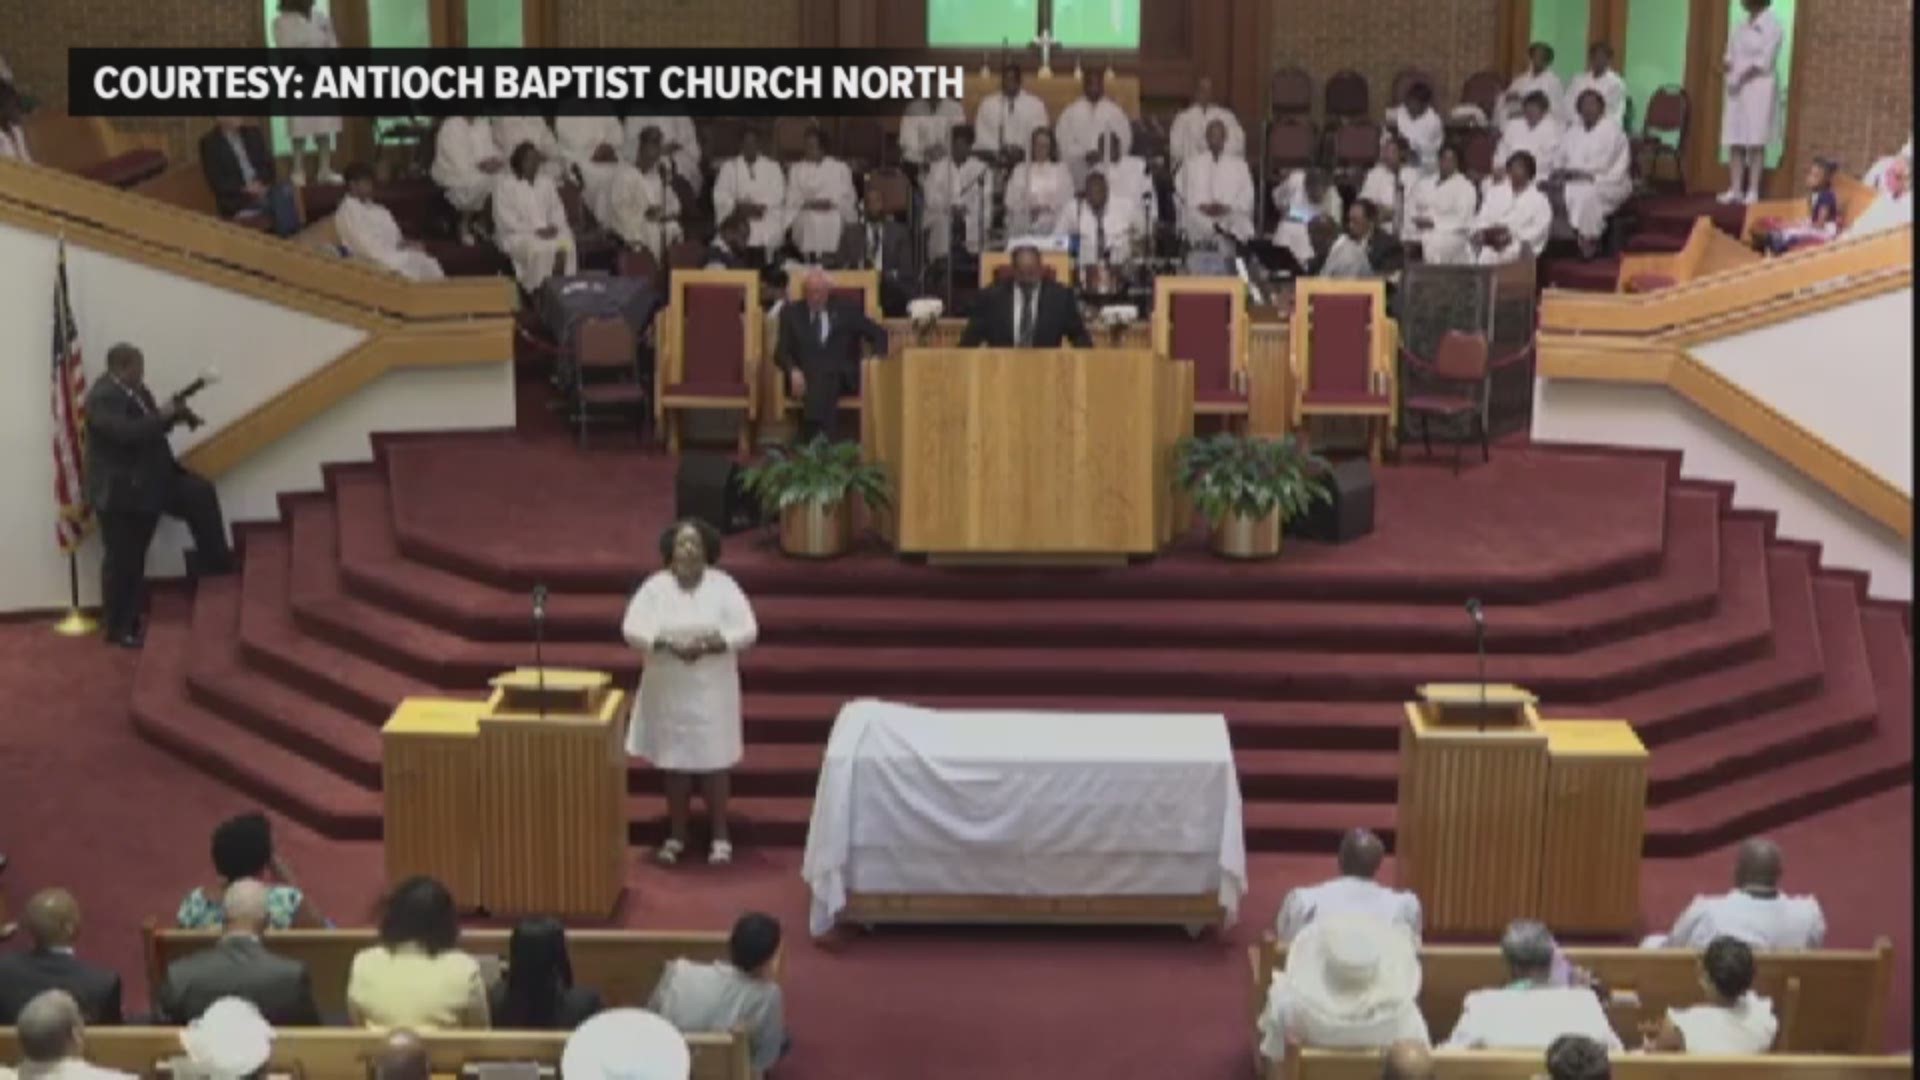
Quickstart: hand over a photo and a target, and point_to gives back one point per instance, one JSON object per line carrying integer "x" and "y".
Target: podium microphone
{"x": 1479, "y": 617}
{"x": 539, "y": 645}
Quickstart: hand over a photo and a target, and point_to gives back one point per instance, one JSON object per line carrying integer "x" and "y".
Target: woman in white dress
{"x": 819, "y": 199}
{"x": 298, "y": 26}
{"x": 1537, "y": 131}
{"x": 1389, "y": 184}
{"x": 1040, "y": 189}
{"x": 690, "y": 621}
{"x": 1351, "y": 982}
{"x": 1747, "y": 119}
{"x": 1595, "y": 169}
{"x": 1515, "y": 218}
{"x": 1303, "y": 198}
{"x": 1440, "y": 212}
{"x": 1735, "y": 1020}
{"x": 530, "y": 222}
{"x": 1419, "y": 123}
{"x": 642, "y": 209}
{"x": 368, "y": 230}
{"x": 467, "y": 164}
{"x": 1539, "y": 76}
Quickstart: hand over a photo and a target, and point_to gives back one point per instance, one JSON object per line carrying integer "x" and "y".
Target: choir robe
{"x": 1604, "y": 152}
{"x": 926, "y": 126}
{"x": 1527, "y": 216}
{"x": 817, "y": 232}
{"x": 1206, "y": 179}
{"x": 1188, "y": 137}
{"x": 520, "y": 211}
{"x": 947, "y": 190}
{"x": 1119, "y": 225}
{"x": 630, "y": 194}
{"x": 1611, "y": 88}
{"x": 368, "y": 230}
{"x": 1753, "y": 52}
{"x": 1036, "y": 195}
{"x": 1080, "y": 129}
{"x": 999, "y": 123}
{"x": 1449, "y": 204}
{"x": 579, "y": 138}
{"x": 315, "y": 31}
{"x": 1379, "y": 189}
{"x": 762, "y": 183}
{"x": 463, "y": 143}
{"x": 511, "y": 131}
{"x": 1526, "y": 83}
{"x": 1290, "y": 196}
{"x": 1542, "y": 140}
{"x": 1424, "y": 134}
{"x": 1128, "y": 179}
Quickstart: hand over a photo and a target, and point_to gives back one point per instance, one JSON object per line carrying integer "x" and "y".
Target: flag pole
{"x": 77, "y": 623}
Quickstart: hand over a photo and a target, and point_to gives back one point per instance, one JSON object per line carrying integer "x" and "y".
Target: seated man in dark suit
{"x": 880, "y": 242}
{"x": 52, "y": 919}
{"x": 239, "y": 168}
{"x": 239, "y": 966}
{"x": 1028, "y": 312}
{"x": 729, "y": 248}
{"x": 819, "y": 353}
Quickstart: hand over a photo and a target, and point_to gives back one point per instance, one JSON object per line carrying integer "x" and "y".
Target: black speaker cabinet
{"x": 1350, "y": 514}
{"x": 707, "y": 488}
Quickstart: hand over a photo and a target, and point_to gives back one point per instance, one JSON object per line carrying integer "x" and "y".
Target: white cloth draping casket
{"x": 1032, "y": 804}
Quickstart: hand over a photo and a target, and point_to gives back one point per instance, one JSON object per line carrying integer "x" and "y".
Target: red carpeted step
{"x": 1584, "y": 275}
{"x": 753, "y": 822}
{"x": 1272, "y": 826}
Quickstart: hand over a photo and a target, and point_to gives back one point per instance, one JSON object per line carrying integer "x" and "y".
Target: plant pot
{"x": 1237, "y": 536}
{"x": 814, "y": 530}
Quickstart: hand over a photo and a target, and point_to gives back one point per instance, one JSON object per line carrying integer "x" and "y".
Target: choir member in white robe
{"x": 1531, "y": 1011}
{"x": 1304, "y": 196}
{"x": 955, "y": 185}
{"x": 1188, "y": 136}
{"x": 1039, "y": 189}
{"x": 1083, "y": 124}
{"x": 466, "y": 164}
{"x": 1351, "y": 982}
{"x": 530, "y": 223}
{"x": 1756, "y": 911}
{"x": 1734, "y": 1020}
{"x": 298, "y": 26}
{"x": 1539, "y": 77}
{"x": 1214, "y": 188}
{"x": 679, "y": 141}
{"x": 1128, "y": 178}
{"x": 1440, "y": 212}
{"x": 1389, "y": 185}
{"x": 1354, "y": 892}
{"x": 1515, "y": 219}
{"x": 368, "y": 230}
{"x": 1536, "y": 131}
{"x": 1599, "y": 76}
{"x": 820, "y": 199}
{"x": 1108, "y": 230}
{"x": 1876, "y": 176}
{"x": 926, "y": 128}
{"x": 591, "y": 147}
{"x": 1596, "y": 163}
{"x": 756, "y": 186}
{"x": 642, "y": 208}
{"x": 690, "y": 622}
{"x": 13, "y": 133}
{"x": 510, "y": 131}
{"x": 1419, "y": 123}
{"x": 1004, "y": 123}
{"x": 1747, "y": 119}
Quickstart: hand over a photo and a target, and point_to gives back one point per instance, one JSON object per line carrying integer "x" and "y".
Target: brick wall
{"x": 1449, "y": 39}
{"x": 1855, "y": 81}
{"x": 677, "y": 23}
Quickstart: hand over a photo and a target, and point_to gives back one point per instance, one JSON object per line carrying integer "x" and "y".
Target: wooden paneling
{"x": 1596, "y": 813}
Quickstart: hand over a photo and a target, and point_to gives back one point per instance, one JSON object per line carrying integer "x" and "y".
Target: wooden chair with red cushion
{"x": 1458, "y": 384}
{"x": 1290, "y": 93}
{"x": 1343, "y": 348}
{"x": 1203, "y": 320}
{"x": 605, "y": 374}
{"x": 709, "y": 356}
{"x": 1482, "y": 90}
{"x": 860, "y": 287}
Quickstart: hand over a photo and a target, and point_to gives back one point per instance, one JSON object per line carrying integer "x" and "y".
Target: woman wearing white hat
{"x": 1351, "y": 981}
{"x": 626, "y": 1044}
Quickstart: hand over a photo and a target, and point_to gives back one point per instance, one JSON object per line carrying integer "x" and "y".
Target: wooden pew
{"x": 1707, "y": 251}
{"x": 342, "y": 1053}
{"x": 1829, "y": 1001}
{"x": 1509, "y": 1065}
{"x": 1853, "y": 195}
{"x": 92, "y": 147}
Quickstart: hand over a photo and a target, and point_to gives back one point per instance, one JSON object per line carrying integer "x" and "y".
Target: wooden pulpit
{"x": 1596, "y": 813}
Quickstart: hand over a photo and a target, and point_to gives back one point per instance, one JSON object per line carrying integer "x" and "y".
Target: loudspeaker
{"x": 1350, "y": 514}
{"x": 707, "y": 488}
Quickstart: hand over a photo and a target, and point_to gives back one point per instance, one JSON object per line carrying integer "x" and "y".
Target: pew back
{"x": 1488, "y": 1065}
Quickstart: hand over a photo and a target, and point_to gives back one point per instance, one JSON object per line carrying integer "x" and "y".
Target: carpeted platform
{"x": 1654, "y": 223}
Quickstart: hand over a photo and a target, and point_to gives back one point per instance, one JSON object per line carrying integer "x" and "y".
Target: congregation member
{"x": 679, "y": 146}
{"x": 53, "y": 1044}
{"x": 52, "y": 921}
{"x": 402, "y": 1056}
{"x": 1536, "y": 131}
{"x": 626, "y": 1044}
{"x": 368, "y": 230}
{"x": 741, "y": 992}
{"x": 239, "y": 965}
{"x": 1004, "y": 123}
{"x": 1352, "y": 981}
{"x": 1188, "y": 136}
{"x": 239, "y": 168}
{"x": 1127, "y": 179}
{"x": 467, "y": 163}
{"x": 231, "y": 1040}
{"x": 299, "y": 26}
{"x": 242, "y": 850}
{"x": 756, "y": 186}
{"x": 510, "y": 131}
{"x": 590, "y": 148}
{"x": 538, "y": 993}
{"x": 1083, "y": 125}
{"x": 817, "y": 349}
{"x": 530, "y": 222}
{"x": 1577, "y": 1057}
{"x": 1389, "y": 184}
{"x": 1756, "y": 912}
{"x": 955, "y": 186}
{"x": 820, "y": 199}
{"x": 1534, "y": 1008}
{"x": 1215, "y": 189}
{"x": 1747, "y": 119}
{"x": 1596, "y": 170}
{"x": 642, "y": 208}
{"x": 1407, "y": 1060}
{"x": 881, "y": 242}
{"x": 1363, "y": 249}
{"x": 1515, "y": 219}
{"x": 1600, "y": 78}
{"x": 927, "y": 129}
{"x": 1417, "y": 122}
{"x": 1893, "y": 207}
{"x": 1776, "y": 236}
{"x": 417, "y": 976}
{"x": 1304, "y": 197}
{"x": 1876, "y": 176}
{"x": 690, "y": 622}
{"x": 1104, "y": 230}
{"x": 730, "y": 241}
{"x": 1733, "y": 1020}
{"x": 1538, "y": 78}
{"x": 1039, "y": 190}
{"x": 13, "y": 131}
{"x": 1353, "y": 892}
{"x": 1027, "y": 312}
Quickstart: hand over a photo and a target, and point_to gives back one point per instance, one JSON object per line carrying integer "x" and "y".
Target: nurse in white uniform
{"x": 690, "y": 621}
{"x": 1747, "y": 120}
{"x": 1515, "y": 218}
{"x": 1596, "y": 168}
{"x": 298, "y": 26}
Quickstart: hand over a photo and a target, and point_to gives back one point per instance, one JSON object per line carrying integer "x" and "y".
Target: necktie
{"x": 873, "y": 247}
{"x": 1024, "y": 333}
{"x": 820, "y": 321}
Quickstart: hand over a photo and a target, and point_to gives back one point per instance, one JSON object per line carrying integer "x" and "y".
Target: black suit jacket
{"x": 847, "y": 326}
{"x": 222, "y": 168}
{"x": 896, "y": 250}
{"x": 1057, "y": 318}
{"x": 577, "y": 1005}
{"x": 240, "y": 967}
{"x": 130, "y": 465}
{"x": 24, "y": 976}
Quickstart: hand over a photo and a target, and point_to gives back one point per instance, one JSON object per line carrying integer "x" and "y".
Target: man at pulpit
{"x": 1027, "y": 312}
{"x": 818, "y": 352}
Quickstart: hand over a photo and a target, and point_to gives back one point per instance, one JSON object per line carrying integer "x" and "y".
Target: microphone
{"x": 1479, "y": 617}
{"x": 188, "y": 416}
{"x": 539, "y": 644}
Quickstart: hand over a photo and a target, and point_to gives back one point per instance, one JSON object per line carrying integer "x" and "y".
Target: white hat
{"x": 626, "y": 1044}
{"x": 230, "y": 1039}
{"x": 1353, "y": 968}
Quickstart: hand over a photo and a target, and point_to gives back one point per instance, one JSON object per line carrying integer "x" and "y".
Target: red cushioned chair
{"x": 1290, "y": 93}
{"x": 1482, "y": 90}
{"x": 1667, "y": 114}
{"x": 1346, "y": 97}
{"x": 710, "y": 356}
{"x": 605, "y": 374}
{"x": 1461, "y": 385}
{"x": 1343, "y": 349}
{"x": 1405, "y": 80}
{"x": 1203, "y": 320}
{"x": 1356, "y": 146}
{"x": 860, "y": 287}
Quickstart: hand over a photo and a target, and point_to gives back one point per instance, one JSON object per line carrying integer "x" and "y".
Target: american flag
{"x": 69, "y": 418}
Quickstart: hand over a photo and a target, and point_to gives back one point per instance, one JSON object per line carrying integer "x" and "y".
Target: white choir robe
{"x": 579, "y": 137}
{"x": 1347, "y": 896}
{"x": 630, "y": 194}
{"x": 1526, "y": 83}
{"x": 674, "y": 130}
{"x": 1542, "y": 140}
{"x": 1611, "y": 87}
{"x": 1290, "y": 197}
{"x": 1036, "y": 195}
{"x": 998, "y": 123}
{"x": 1379, "y": 188}
{"x": 817, "y": 232}
{"x": 686, "y": 716}
{"x": 463, "y": 143}
{"x": 510, "y": 131}
{"x": 1188, "y": 137}
{"x": 13, "y": 145}
{"x": 291, "y": 31}
{"x": 1527, "y": 216}
{"x": 1603, "y": 152}
{"x": 1119, "y": 226}
{"x": 1424, "y": 134}
{"x": 1449, "y": 205}
{"x": 520, "y": 211}
{"x": 1763, "y": 922}
{"x": 1080, "y": 129}
{"x": 1748, "y": 1026}
{"x": 1749, "y": 115}
{"x": 762, "y": 183}
{"x": 947, "y": 190}
{"x": 1208, "y": 179}
{"x": 1128, "y": 179}
{"x": 926, "y": 126}
{"x": 368, "y": 230}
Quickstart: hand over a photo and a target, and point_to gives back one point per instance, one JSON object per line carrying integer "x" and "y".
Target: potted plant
{"x": 1248, "y": 488}
{"x": 811, "y": 487}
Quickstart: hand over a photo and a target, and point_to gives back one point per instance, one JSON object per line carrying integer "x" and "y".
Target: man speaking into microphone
{"x": 132, "y": 479}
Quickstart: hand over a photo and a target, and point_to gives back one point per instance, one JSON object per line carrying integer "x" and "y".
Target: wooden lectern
{"x": 1596, "y": 815}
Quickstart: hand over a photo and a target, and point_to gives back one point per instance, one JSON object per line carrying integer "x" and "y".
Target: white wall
{"x": 184, "y": 326}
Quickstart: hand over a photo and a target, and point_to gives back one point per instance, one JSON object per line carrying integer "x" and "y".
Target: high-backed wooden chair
{"x": 861, "y": 287}
{"x": 997, "y": 266}
{"x": 710, "y": 356}
{"x": 1343, "y": 347}
{"x": 1405, "y": 80}
{"x": 1204, "y": 320}
{"x": 1482, "y": 90}
{"x": 1290, "y": 93}
{"x": 605, "y": 374}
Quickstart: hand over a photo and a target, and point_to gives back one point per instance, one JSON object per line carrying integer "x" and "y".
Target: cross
{"x": 1046, "y": 41}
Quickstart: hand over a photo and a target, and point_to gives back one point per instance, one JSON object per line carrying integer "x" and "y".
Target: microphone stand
{"x": 1480, "y": 650}
{"x": 539, "y": 646}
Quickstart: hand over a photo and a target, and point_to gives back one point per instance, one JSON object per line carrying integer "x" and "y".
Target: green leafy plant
{"x": 1239, "y": 474}
{"x": 817, "y": 472}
